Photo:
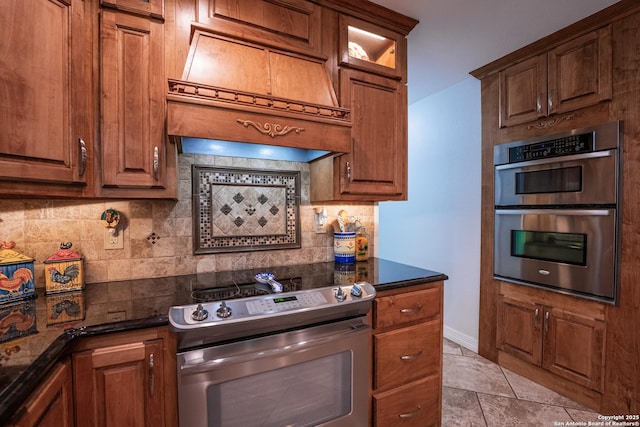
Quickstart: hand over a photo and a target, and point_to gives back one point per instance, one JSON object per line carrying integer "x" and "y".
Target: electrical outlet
{"x": 113, "y": 240}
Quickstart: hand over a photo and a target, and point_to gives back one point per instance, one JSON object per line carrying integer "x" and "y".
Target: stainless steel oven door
{"x": 316, "y": 376}
{"x": 572, "y": 250}
{"x": 582, "y": 179}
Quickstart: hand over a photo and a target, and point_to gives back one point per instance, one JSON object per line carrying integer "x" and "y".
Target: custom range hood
{"x": 238, "y": 91}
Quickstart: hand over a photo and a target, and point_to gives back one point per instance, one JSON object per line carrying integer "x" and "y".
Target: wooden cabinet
{"x": 407, "y": 356}
{"x": 136, "y": 159}
{"x": 125, "y": 379}
{"x": 45, "y": 97}
{"x": 573, "y": 75}
{"x": 376, "y": 167}
{"x": 620, "y": 392}
{"x": 567, "y": 343}
{"x": 372, "y": 84}
{"x": 292, "y": 25}
{"x": 49, "y": 112}
{"x": 51, "y": 405}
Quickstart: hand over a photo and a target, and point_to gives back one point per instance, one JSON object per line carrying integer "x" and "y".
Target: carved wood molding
{"x": 194, "y": 91}
{"x": 271, "y": 129}
{"x": 550, "y": 123}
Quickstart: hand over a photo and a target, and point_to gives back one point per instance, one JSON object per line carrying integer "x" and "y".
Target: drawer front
{"x": 407, "y": 307}
{"x": 416, "y": 404}
{"x": 406, "y": 354}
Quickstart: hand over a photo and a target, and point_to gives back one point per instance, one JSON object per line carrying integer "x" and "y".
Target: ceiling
{"x": 455, "y": 37}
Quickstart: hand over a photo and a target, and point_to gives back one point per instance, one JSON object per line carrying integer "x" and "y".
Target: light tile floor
{"x": 476, "y": 392}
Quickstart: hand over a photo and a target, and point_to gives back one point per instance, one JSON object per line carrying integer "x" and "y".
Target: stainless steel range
{"x": 290, "y": 358}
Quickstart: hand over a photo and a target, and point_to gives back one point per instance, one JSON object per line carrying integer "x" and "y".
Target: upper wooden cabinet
{"x": 371, "y": 48}
{"x": 293, "y": 25}
{"x": 136, "y": 160}
{"x": 376, "y": 167}
{"x": 45, "y": 96}
{"x": 573, "y": 75}
{"x": 377, "y": 163}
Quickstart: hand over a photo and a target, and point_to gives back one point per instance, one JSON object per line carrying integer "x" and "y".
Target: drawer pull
{"x": 411, "y": 356}
{"x": 412, "y": 310}
{"x": 411, "y": 414}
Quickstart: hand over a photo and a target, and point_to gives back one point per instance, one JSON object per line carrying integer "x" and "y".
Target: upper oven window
{"x": 560, "y": 180}
{"x": 568, "y": 248}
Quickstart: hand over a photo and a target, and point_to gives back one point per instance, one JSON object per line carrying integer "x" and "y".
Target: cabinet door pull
{"x": 411, "y": 356}
{"x": 156, "y": 162}
{"x": 151, "y": 375}
{"x": 412, "y": 310}
{"x": 536, "y": 321}
{"x": 348, "y": 171}
{"x": 546, "y": 322}
{"x": 410, "y": 414}
{"x": 83, "y": 156}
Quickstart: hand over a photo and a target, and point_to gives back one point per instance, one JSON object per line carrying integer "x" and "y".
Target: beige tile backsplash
{"x": 39, "y": 226}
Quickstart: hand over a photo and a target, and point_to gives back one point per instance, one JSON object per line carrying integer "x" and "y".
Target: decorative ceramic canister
{"x": 344, "y": 246}
{"x": 16, "y": 274}
{"x": 64, "y": 270}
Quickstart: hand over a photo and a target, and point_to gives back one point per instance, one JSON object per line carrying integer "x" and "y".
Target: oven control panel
{"x": 285, "y": 302}
{"x": 311, "y": 302}
{"x": 574, "y": 144}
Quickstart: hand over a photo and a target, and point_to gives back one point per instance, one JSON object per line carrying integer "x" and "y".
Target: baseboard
{"x": 461, "y": 339}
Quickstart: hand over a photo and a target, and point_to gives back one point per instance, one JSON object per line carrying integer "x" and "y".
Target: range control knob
{"x": 356, "y": 290}
{"x": 199, "y": 314}
{"x": 223, "y": 311}
{"x": 340, "y": 295}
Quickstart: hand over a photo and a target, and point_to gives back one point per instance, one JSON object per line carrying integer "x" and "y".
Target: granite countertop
{"x": 35, "y": 334}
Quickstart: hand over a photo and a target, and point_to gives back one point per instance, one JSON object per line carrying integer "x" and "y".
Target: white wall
{"x": 438, "y": 228}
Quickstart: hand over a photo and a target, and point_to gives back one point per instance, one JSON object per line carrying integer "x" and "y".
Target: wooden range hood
{"x": 233, "y": 90}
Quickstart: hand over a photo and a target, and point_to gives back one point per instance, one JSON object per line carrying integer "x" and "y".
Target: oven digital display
{"x": 285, "y": 299}
{"x": 568, "y": 248}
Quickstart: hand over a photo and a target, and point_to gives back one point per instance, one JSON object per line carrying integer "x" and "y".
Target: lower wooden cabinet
{"x": 120, "y": 379}
{"x": 568, "y": 341}
{"x": 407, "y": 356}
{"x": 51, "y": 405}
{"x": 125, "y": 379}
{"x": 415, "y": 404}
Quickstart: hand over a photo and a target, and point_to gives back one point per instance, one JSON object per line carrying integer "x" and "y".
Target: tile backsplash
{"x": 158, "y": 233}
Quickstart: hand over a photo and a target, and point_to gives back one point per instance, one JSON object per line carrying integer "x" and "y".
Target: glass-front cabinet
{"x": 368, "y": 47}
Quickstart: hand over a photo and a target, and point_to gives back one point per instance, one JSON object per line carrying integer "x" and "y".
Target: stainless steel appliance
{"x": 556, "y": 211}
{"x": 295, "y": 358}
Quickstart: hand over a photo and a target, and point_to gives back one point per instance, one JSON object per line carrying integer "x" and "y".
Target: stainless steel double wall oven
{"x": 557, "y": 209}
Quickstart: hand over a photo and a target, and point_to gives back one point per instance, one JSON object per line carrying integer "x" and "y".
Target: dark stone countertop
{"x": 35, "y": 334}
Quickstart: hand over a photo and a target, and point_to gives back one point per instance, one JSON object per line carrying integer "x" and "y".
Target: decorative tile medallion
{"x": 237, "y": 210}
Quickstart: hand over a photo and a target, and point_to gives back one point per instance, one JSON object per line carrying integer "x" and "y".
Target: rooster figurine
{"x": 70, "y": 273}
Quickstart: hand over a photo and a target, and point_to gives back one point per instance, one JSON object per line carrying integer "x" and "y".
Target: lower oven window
{"x": 308, "y": 393}
{"x": 569, "y": 248}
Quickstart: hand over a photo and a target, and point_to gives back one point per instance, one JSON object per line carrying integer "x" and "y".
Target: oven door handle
{"x": 594, "y": 155}
{"x": 564, "y": 212}
{"x": 207, "y": 365}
